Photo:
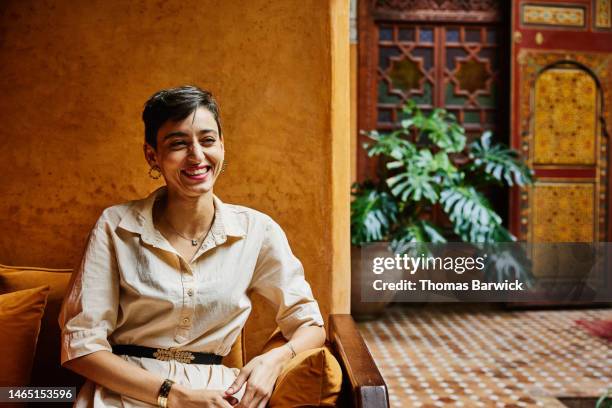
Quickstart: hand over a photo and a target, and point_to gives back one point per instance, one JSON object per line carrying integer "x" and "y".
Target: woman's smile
{"x": 198, "y": 173}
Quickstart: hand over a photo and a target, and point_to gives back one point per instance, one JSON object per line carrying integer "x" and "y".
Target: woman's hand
{"x": 260, "y": 375}
{"x": 184, "y": 397}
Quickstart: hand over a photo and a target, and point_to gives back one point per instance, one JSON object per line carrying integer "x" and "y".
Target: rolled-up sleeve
{"x": 279, "y": 277}
{"x": 89, "y": 311}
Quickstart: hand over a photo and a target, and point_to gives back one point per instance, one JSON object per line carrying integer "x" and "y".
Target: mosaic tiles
{"x": 565, "y": 126}
{"x": 557, "y": 16}
{"x": 603, "y": 13}
{"x": 476, "y": 356}
{"x": 563, "y": 212}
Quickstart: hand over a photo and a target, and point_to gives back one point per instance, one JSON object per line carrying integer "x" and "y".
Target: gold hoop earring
{"x": 155, "y": 172}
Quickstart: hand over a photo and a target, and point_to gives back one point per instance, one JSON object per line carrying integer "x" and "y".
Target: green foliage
{"x": 373, "y": 213}
{"x": 497, "y": 162}
{"x": 440, "y": 127}
{"x": 418, "y": 170}
{"x": 605, "y": 401}
{"x": 418, "y": 232}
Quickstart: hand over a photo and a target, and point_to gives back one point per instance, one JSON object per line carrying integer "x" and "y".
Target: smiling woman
{"x": 189, "y": 153}
{"x": 162, "y": 291}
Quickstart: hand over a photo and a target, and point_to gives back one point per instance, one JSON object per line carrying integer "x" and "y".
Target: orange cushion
{"x": 20, "y": 314}
{"x": 235, "y": 356}
{"x": 312, "y": 378}
{"x": 46, "y": 368}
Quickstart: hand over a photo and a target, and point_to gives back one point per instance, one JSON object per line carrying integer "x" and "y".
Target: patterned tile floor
{"x": 481, "y": 356}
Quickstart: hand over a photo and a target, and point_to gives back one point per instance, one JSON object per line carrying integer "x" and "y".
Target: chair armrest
{"x": 368, "y": 388}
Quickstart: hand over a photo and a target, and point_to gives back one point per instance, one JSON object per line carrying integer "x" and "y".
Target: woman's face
{"x": 189, "y": 153}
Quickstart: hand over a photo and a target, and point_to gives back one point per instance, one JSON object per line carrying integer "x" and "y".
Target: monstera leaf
{"x": 391, "y": 145}
{"x": 421, "y": 176}
{"x": 498, "y": 162}
{"x": 373, "y": 213}
{"x": 472, "y": 216}
{"x": 509, "y": 264}
{"x": 440, "y": 127}
{"x": 420, "y": 231}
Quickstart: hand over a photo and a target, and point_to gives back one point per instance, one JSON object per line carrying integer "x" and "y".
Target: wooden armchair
{"x": 363, "y": 385}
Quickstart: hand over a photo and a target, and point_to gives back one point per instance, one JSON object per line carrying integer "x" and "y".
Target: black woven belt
{"x": 182, "y": 356}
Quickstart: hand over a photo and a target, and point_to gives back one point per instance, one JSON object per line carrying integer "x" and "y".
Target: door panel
{"x": 563, "y": 211}
{"x": 565, "y": 120}
{"x": 561, "y": 79}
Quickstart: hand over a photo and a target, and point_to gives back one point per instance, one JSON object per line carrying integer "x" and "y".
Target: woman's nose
{"x": 197, "y": 151}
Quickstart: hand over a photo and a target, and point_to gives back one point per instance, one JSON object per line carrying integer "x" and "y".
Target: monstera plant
{"x": 427, "y": 162}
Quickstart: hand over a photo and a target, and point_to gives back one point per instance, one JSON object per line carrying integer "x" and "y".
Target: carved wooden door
{"x": 561, "y": 117}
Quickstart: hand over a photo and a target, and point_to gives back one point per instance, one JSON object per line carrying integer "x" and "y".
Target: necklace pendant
{"x": 194, "y": 242}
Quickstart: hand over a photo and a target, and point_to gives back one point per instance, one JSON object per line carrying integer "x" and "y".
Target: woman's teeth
{"x": 197, "y": 172}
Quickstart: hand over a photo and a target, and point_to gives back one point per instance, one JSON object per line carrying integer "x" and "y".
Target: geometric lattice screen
{"x": 449, "y": 66}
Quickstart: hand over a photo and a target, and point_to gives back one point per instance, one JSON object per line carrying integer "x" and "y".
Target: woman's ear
{"x": 150, "y": 155}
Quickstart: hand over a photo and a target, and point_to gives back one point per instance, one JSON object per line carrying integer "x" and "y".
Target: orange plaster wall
{"x": 74, "y": 76}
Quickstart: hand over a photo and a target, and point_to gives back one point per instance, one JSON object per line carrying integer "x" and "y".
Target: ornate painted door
{"x": 561, "y": 118}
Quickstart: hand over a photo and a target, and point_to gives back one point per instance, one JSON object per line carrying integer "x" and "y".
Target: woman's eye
{"x": 178, "y": 143}
{"x": 208, "y": 141}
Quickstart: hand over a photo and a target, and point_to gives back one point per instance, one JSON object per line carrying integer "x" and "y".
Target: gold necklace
{"x": 194, "y": 241}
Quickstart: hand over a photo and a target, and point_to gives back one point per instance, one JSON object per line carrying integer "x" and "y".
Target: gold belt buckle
{"x": 171, "y": 354}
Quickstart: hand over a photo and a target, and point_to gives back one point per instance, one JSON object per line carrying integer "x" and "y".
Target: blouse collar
{"x": 139, "y": 219}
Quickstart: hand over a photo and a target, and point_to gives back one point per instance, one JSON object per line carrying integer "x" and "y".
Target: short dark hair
{"x": 175, "y": 104}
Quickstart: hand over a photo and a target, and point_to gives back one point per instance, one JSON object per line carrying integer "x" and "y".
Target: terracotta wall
{"x": 74, "y": 76}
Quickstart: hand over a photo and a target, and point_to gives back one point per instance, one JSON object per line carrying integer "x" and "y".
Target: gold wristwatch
{"x": 164, "y": 390}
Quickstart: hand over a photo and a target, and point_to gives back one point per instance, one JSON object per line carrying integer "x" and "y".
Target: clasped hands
{"x": 259, "y": 374}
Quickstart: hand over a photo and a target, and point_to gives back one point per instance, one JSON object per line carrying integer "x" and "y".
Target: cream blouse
{"x": 132, "y": 286}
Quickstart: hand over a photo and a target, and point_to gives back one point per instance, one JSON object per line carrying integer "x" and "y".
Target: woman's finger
{"x": 224, "y": 404}
{"x": 259, "y": 394}
{"x": 260, "y": 399}
{"x": 247, "y": 398}
{"x": 257, "y": 398}
{"x": 239, "y": 381}
{"x": 220, "y": 402}
{"x": 263, "y": 403}
{"x": 232, "y": 400}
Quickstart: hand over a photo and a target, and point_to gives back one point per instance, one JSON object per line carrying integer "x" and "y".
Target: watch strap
{"x": 164, "y": 391}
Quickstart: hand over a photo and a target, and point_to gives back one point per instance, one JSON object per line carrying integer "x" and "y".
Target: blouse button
{"x": 186, "y": 320}
{"x": 189, "y": 292}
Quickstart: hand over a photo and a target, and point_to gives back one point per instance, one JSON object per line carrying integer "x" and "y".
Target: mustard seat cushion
{"x": 20, "y": 315}
{"x": 46, "y": 368}
{"x": 235, "y": 358}
{"x": 312, "y": 378}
